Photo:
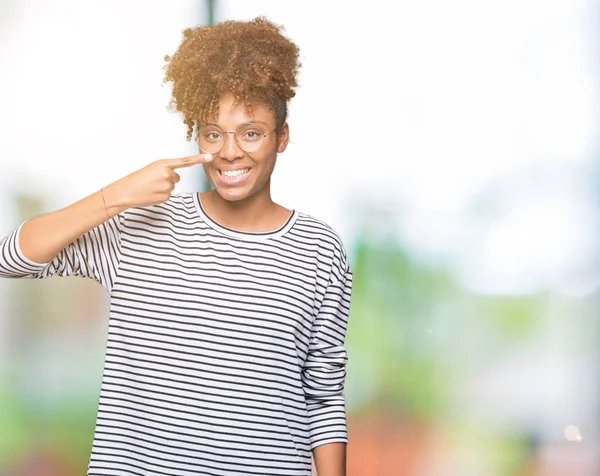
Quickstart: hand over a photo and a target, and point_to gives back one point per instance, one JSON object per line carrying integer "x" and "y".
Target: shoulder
{"x": 326, "y": 238}
{"x": 318, "y": 229}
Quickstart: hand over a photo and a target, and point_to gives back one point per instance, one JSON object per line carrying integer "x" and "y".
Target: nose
{"x": 231, "y": 150}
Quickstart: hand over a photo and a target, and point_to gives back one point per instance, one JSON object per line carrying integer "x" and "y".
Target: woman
{"x": 225, "y": 351}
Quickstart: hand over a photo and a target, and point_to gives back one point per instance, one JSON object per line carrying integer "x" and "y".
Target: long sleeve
{"x": 95, "y": 254}
{"x": 324, "y": 370}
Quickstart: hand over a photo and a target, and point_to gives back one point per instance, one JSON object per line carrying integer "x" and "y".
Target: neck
{"x": 253, "y": 214}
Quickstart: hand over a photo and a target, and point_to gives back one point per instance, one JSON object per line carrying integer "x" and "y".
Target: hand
{"x": 151, "y": 184}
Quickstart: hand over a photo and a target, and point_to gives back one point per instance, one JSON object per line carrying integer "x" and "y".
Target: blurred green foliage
{"x": 413, "y": 327}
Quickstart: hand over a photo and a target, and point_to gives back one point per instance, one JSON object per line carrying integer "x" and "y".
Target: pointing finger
{"x": 189, "y": 161}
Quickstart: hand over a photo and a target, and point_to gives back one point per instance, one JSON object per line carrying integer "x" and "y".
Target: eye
{"x": 251, "y": 135}
{"x": 210, "y": 136}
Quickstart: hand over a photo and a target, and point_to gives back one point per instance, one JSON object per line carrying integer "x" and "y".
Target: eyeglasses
{"x": 249, "y": 137}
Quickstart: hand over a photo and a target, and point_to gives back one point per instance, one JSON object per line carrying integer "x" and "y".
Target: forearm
{"x": 330, "y": 459}
{"x": 41, "y": 238}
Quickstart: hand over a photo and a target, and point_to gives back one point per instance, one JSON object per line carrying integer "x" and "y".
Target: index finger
{"x": 188, "y": 161}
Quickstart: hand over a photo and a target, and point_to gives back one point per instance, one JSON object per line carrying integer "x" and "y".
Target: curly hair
{"x": 252, "y": 60}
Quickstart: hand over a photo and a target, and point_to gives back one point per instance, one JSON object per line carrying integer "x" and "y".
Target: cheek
{"x": 207, "y": 168}
{"x": 266, "y": 162}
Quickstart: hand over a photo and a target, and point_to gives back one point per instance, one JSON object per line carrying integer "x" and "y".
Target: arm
{"x": 41, "y": 238}
{"x": 79, "y": 240}
{"x": 324, "y": 374}
{"x": 330, "y": 459}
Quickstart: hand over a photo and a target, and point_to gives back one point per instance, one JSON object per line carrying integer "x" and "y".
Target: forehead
{"x": 231, "y": 114}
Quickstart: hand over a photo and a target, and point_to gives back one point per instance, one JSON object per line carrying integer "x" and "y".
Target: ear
{"x": 283, "y": 137}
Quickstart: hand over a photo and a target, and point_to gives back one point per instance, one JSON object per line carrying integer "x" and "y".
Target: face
{"x": 234, "y": 173}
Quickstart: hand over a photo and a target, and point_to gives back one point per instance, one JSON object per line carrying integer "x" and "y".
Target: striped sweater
{"x": 225, "y": 352}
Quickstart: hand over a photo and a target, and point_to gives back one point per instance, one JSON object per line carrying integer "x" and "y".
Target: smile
{"x": 234, "y": 173}
{"x": 234, "y": 177}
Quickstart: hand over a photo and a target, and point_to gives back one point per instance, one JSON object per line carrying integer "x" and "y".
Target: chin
{"x": 232, "y": 195}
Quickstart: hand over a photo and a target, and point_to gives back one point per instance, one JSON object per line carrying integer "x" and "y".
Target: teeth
{"x": 234, "y": 173}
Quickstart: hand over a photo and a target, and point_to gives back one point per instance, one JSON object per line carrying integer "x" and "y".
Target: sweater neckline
{"x": 243, "y": 235}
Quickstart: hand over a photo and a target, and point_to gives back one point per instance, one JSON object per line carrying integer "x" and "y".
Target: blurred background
{"x": 454, "y": 145}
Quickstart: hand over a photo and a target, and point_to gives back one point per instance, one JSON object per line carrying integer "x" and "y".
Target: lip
{"x": 229, "y": 181}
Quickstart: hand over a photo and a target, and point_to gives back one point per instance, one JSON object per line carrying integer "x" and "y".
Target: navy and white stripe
{"x": 225, "y": 351}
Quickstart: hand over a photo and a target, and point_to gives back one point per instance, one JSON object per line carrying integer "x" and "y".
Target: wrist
{"x": 113, "y": 199}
